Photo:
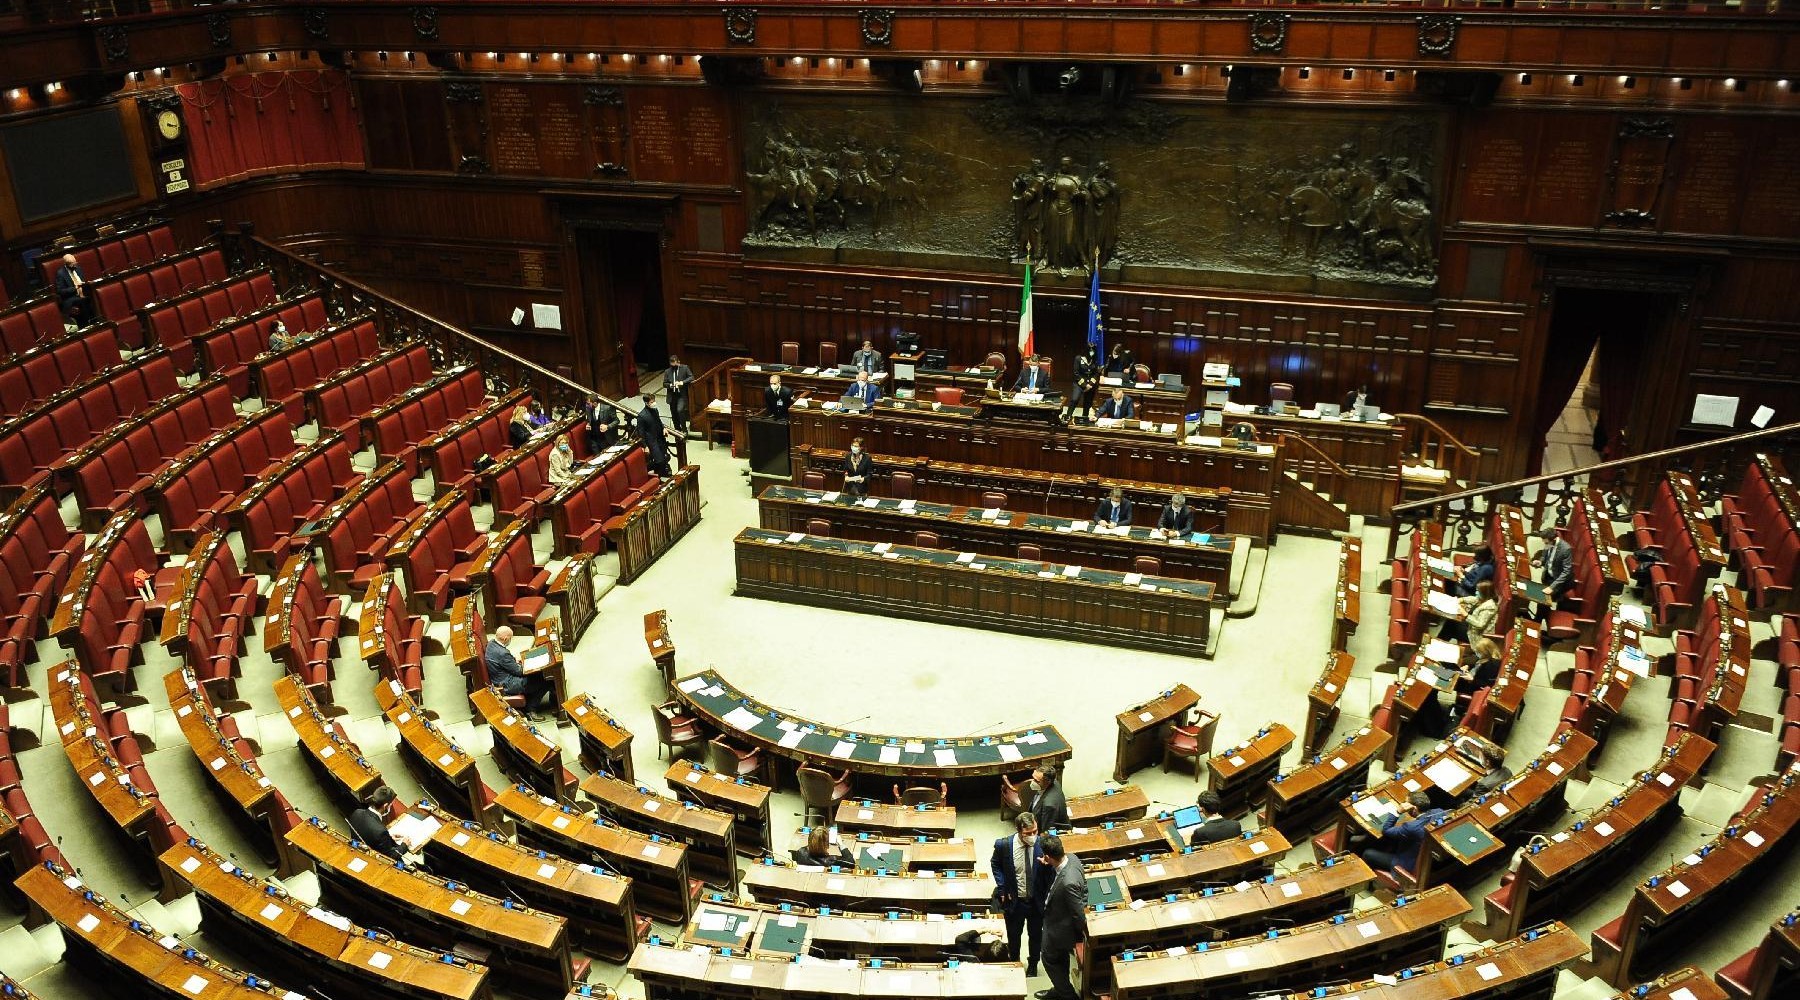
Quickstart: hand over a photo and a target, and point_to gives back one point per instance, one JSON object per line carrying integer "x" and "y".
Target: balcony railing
{"x": 55, "y": 11}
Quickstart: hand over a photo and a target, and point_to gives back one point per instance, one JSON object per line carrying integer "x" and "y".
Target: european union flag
{"x": 1094, "y": 338}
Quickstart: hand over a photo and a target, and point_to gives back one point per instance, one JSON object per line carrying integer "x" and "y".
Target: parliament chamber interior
{"x": 733, "y": 440}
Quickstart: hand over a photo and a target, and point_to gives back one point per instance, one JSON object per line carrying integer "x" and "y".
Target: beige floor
{"x": 883, "y": 675}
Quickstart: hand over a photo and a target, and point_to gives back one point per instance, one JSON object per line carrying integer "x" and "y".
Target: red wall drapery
{"x": 264, "y": 123}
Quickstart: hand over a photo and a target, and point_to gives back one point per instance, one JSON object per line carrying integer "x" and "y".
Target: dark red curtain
{"x": 1575, "y": 322}
{"x": 1630, "y": 327}
{"x": 263, "y": 123}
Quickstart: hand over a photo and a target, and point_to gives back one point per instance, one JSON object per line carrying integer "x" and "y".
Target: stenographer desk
{"x": 724, "y": 708}
{"x": 1017, "y": 596}
{"x": 1000, "y": 532}
{"x": 1368, "y": 450}
{"x": 1150, "y": 453}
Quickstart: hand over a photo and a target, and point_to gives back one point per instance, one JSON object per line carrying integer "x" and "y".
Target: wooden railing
{"x": 1625, "y": 484}
{"x": 1306, "y": 461}
{"x": 1426, "y": 442}
{"x": 399, "y": 323}
{"x": 715, "y": 384}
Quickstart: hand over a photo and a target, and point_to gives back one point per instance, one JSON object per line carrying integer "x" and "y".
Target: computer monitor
{"x": 903, "y": 371}
{"x": 1368, "y": 413}
{"x": 1169, "y": 380}
{"x": 935, "y": 359}
{"x": 906, "y": 342}
{"x": 1329, "y": 409}
{"x": 848, "y": 371}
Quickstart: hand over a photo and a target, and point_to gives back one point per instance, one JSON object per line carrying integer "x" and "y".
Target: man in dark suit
{"x": 777, "y": 398}
{"x": 1214, "y": 824}
{"x": 1019, "y": 886}
{"x": 602, "y": 424}
{"x": 506, "y": 673}
{"x": 677, "y": 380}
{"x": 1118, "y": 407}
{"x": 1032, "y": 378}
{"x": 868, "y": 359}
{"x": 653, "y": 435}
{"x": 1558, "y": 560}
{"x": 1049, "y": 805}
{"x": 72, "y": 292}
{"x": 857, "y": 466}
{"x": 1065, "y": 915}
{"x": 1114, "y": 510}
{"x": 1177, "y": 518}
{"x": 863, "y": 390}
{"x": 1402, "y": 834}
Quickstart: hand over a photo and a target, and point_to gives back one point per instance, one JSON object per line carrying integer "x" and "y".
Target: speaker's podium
{"x": 768, "y": 453}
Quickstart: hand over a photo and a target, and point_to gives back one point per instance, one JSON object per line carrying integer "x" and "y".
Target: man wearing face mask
{"x": 857, "y": 466}
{"x": 1019, "y": 889}
{"x": 1049, "y": 805}
{"x": 562, "y": 463}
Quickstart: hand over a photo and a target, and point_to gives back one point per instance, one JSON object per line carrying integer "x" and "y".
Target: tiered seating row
{"x": 37, "y": 555}
{"x": 1604, "y": 675}
{"x": 437, "y": 552}
{"x": 29, "y": 325}
{"x": 226, "y": 348}
{"x": 450, "y": 453}
{"x": 302, "y": 626}
{"x": 1675, "y": 527}
{"x": 193, "y": 493}
{"x": 110, "y": 254}
{"x": 285, "y": 377}
{"x": 359, "y": 526}
{"x": 1712, "y": 666}
{"x": 119, "y": 297}
{"x": 210, "y": 614}
{"x": 1762, "y": 525}
{"x": 28, "y": 844}
{"x": 101, "y": 614}
{"x": 105, "y": 755}
{"x": 397, "y": 428}
{"x": 34, "y": 442}
{"x": 269, "y": 513}
{"x": 51, "y": 366}
{"x": 114, "y": 472}
{"x": 340, "y": 401}
{"x": 174, "y": 323}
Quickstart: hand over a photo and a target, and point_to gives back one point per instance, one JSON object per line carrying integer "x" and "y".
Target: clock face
{"x": 169, "y": 124}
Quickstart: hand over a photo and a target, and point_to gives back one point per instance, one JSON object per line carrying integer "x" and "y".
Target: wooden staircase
{"x": 1432, "y": 461}
{"x": 1310, "y": 483}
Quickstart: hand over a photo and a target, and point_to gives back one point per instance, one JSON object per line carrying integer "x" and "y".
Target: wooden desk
{"x": 1142, "y": 729}
{"x": 1217, "y": 914}
{"x": 233, "y": 773}
{"x": 1770, "y": 969}
{"x": 1591, "y": 514}
{"x": 655, "y": 523}
{"x": 658, "y": 867}
{"x": 786, "y": 931}
{"x": 1686, "y": 983}
{"x": 1368, "y": 450}
{"x": 90, "y": 753}
{"x": 303, "y": 941}
{"x": 1193, "y": 868}
{"x": 445, "y": 769}
{"x": 1670, "y": 903}
{"x": 959, "y": 434}
{"x": 521, "y": 750}
{"x": 746, "y": 384}
{"x": 710, "y": 835}
{"x": 951, "y": 892}
{"x": 888, "y": 818}
{"x": 1348, "y": 600}
{"x": 745, "y": 800}
{"x": 1521, "y": 969}
{"x": 1297, "y": 801}
{"x": 1560, "y": 875}
{"x": 1699, "y": 526}
{"x": 669, "y": 973}
{"x": 1126, "y": 802}
{"x": 100, "y": 937}
{"x": 598, "y": 904}
{"x": 878, "y": 853}
{"x": 1478, "y": 834}
{"x": 521, "y": 942}
{"x": 1068, "y": 541}
{"x": 1368, "y": 942}
{"x": 605, "y": 744}
{"x": 1238, "y": 774}
{"x": 1010, "y": 595}
{"x": 1113, "y": 841}
{"x": 1322, "y": 700}
{"x": 726, "y": 709}
{"x": 1506, "y": 698}
{"x": 660, "y": 644}
{"x": 1072, "y": 496}
{"x": 1448, "y": 769}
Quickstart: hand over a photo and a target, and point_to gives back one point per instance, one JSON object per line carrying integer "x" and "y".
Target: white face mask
{"x": 855, "y": 449}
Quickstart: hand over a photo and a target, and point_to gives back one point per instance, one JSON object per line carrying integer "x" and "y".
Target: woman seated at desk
{"x": 1481, "y": 667}
{"x": 562, "y": 463}
{"x": 818, "y": 851}
{"x": 1478, "y": 614}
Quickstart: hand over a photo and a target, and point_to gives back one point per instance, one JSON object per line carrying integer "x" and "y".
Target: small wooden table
{"x": 1141, "y": 729}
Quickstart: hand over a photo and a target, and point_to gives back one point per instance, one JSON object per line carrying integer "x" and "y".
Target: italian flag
{"x": 1027, "y": 343}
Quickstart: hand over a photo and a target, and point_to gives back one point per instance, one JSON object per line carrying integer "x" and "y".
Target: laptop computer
{"x": 1329, "y": 409}
{"x": 851, "y": 403}
{"x": 848, "y": 371}
{"x": 1368, "y": 414}
{"x": 1169, "y": 380}
{"x": 1187, "y": 818}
